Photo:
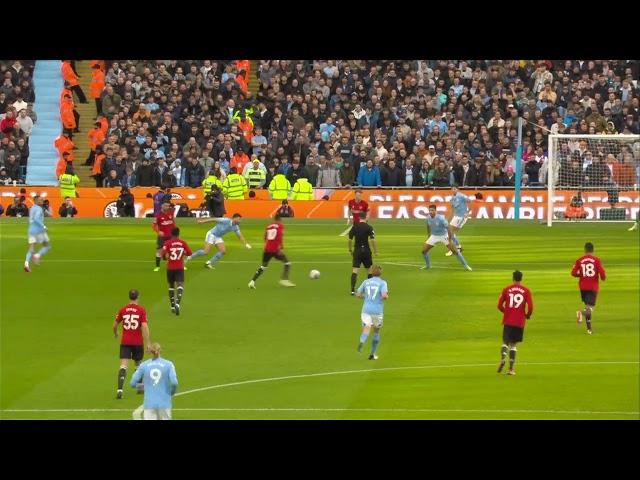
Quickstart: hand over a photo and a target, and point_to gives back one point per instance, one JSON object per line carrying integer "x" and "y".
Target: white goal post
{"x": 592, "y": 177}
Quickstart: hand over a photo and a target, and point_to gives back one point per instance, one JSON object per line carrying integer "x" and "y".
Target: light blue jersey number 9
{"x": 155, "y": 375}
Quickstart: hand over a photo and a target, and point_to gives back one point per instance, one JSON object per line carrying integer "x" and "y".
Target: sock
{"x": 198, "y": 253}
{"x": 215, "y": 258}
{"x": 171, "y": 297}
{"x": 122, "y": 373}
{"x": 369, "y": 275}
{"x": 259, "y": 272}
{"x": 287, "y": 269}
{"x": 461, "y": 259}
{"x": 512, "y": 357}
{"x": 363, "y": 337}
{"x": 503, "y": 352}
{"x": 427, "y": 259}
{"x": 180, "y": 292}
{"x": 43, "y": 251}
{"x": 354, "y": 277}
{"x": 454, "y": 238}
{"x": 28, "y": 257}
{"x": 374, "y": 343}
{"x": 587, "y": 316}
{"x": 157, "y": 260}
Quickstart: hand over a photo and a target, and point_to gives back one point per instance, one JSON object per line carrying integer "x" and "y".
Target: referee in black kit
{"x": 362, "y": 232}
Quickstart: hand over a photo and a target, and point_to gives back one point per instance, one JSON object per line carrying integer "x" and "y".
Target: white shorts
{"x": 436, "y": 239}
{"x": 369, "y": 319}
{"x": 212, "y": 239}
{"x": 458, "y": 222}
{"x": 39, "y": 238}
{"x": 157, "y": 414}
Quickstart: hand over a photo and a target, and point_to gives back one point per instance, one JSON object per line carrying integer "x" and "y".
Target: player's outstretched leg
{"x": 42, "y": 252}
{"x": 512, "y": 359}
{"x": 259, "y": 271}
{"x": 459, "y": 256}
{"x": 197, "y": 253}
{"x": 179, "y": 299}
{"x": 427, "y": 258}
{"x": 122, "y": 374}
{"x": 285, "y": 274}
{"x": 171, "y": 299}
{"x": 503, "y": 355}
{"x": 588, "y": 310}
{"x": 28, "y": 258}
{"x": 375, "y": 341}
{"x": 216, "y": 257}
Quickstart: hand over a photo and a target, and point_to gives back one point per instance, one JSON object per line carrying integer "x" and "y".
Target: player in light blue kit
{"x": 437, "y": 227}
{"x": 160, "y": 384}
{"x": 214, "y": 237}
{"x": 460, "y": 204}
{"x": 374, "y": 291}
{"x": 37, "y": 233}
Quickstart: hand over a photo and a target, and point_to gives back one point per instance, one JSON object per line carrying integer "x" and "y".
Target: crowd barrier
{"x": 384, "y": 203}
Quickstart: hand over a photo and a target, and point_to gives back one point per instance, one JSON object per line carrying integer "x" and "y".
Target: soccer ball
{"x": 314, "y": 274}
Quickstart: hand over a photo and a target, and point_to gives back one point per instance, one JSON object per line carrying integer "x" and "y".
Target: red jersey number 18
{"x": 588, "y": 269}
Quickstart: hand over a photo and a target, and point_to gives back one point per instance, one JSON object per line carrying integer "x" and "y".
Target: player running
{"x": 358, "y": 210}
{"x": 160, "y": 384}
{"x": 362, "y": 232}
{"x": 135, "y": 334}
{"x": 589, "y": 270}
{"x": 437, "y": 229}
{"x": 460, "y": 205}
{"x": 516, "y": 304}
{"x": 214, "y": 237}
{"x": 374, "y": 291}
{"x": 37, "y": 233}
{"x": 163, "y": 224}
{"x": 174, "y": 252}
{"x": 273, "y": 248}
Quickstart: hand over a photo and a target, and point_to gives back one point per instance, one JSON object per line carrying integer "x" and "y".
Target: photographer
{"x": 215, "y": 202}
{"x": 125, "y": 203}
{"x": 285, "y": 209}
{"x": 18, "y": 208}
{"x": 67, "y": 209}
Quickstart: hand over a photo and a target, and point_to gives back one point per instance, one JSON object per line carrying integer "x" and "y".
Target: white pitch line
{"x": 293, "y": 409}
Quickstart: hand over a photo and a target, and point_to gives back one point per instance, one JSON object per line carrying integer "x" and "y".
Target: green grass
{"x": 440, "y": 342}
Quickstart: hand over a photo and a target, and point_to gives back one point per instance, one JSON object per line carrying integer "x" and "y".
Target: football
{"x": 314, "y": 274}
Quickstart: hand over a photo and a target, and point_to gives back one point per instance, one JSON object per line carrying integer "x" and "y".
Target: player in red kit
{"x": 163, "y": 223}
{"x": 174, "y": 251}
{"x": 516, "y": 304}
{"x": 589, "y": 270}
{"x": 273, "y": 249}
{"x": 358, "y": 209}
{"x": 135, "y": 334}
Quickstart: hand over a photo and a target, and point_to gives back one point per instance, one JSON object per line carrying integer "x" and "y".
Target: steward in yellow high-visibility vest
{"x": 279, "y": 187}
{"x": 302, "y": 190}
{"x": 234, "y": 186}
{"x": 209, "y": 182}
{"x": 68, "y": 182}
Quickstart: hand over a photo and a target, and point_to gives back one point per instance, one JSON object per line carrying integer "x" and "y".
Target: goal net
{"x": 593, "y": 178}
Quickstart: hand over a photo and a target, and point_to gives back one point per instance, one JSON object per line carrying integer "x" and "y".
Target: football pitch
{"x": 290, "y": 353}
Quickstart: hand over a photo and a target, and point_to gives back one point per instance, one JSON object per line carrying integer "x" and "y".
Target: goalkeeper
{"x": 460, "y": 205}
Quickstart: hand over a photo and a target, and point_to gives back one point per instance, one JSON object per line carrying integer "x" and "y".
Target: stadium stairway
{"x": 88, "y": 114}
{"x": 47, "y": 81}
{"x": 254, "y": 83}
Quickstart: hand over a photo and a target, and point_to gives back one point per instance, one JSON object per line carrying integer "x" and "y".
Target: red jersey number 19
{"x": 515, "y": 300}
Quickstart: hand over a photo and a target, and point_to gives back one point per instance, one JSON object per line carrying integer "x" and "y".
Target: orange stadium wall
{"x": 496, "y": 204}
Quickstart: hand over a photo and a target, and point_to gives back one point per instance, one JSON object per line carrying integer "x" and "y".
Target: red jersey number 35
{"x": 130, "y": 321}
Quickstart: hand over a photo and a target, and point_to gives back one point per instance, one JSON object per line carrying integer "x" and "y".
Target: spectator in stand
{"x": 369, "y": 176}
{"x": 128, "y": 180}
{"x": 329, "y": 175}
{"x": 391, "y": 175}
{"x": 67, "y": 208}
{"x": 25, "y": 122}
{"x": 112, "y": 180}
{"x": 18, "y": 208}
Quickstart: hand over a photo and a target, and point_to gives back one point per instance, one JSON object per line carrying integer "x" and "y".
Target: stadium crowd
{"x": 366, "y": 123}
{"x": 16, "y": 118}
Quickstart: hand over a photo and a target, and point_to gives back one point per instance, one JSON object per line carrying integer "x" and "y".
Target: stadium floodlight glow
{"x": 592, "y": 178}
